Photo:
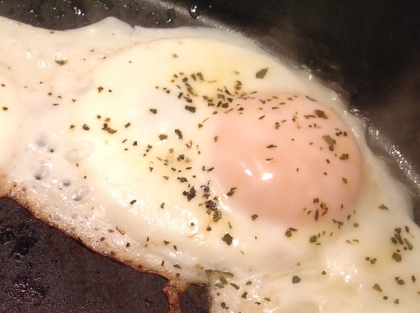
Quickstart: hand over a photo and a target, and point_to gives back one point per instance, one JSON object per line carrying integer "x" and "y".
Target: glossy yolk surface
{"x": 286, "y": 158}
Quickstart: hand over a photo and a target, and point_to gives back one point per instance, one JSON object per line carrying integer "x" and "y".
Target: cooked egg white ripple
{"x": 207, "y": 162}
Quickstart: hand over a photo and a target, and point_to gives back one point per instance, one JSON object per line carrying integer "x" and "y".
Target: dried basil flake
{"x": 231, "y": 191}
{"x": 110, "y": 130}
{"x": 61, "y": 62}
{"x": 344, "y": 156}
{"x": 227, "y": 239}
{"x": 383, "y": 207}
{"x": 190, "y": 108}
{"x": 261, "y": 73}
{"x": 320, "y": 113}
{"x": 377, "y": 287}
{"x": 397, "y": 257}
{"x": 330, "y": 141}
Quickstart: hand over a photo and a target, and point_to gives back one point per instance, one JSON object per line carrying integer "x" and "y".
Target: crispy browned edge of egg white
{"x": 173, "y": 289}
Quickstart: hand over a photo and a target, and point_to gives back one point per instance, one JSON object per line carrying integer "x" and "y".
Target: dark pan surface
{"x": 371, "y": 49}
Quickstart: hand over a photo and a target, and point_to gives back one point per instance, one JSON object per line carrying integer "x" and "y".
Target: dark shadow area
{"x": 43, "y": 270}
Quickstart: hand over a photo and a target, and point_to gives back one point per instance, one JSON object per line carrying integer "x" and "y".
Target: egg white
{"x": 76, "y": 132}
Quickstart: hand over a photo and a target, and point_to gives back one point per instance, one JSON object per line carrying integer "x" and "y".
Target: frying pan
{"x": 368, "y": 51}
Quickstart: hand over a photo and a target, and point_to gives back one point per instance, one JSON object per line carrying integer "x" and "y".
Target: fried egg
{"x": 194, "y": 154}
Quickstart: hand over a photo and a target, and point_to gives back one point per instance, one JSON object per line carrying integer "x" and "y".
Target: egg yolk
{"x": 286, "y": 158}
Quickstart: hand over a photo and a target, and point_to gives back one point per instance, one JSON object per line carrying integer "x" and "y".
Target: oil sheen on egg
{"x": 193, "y": 154}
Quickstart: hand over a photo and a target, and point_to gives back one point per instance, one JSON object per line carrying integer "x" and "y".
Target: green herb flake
{"x": 231, "y": 191}
{"x": 383, "y": 207}
{"x": 344, "y": 156}
{"x": 190, "y": 108}
{"x": 190, "y": 194}
{"x": 200, "y": 76}
{"x": 154, "y": 111}
{"x": 61, "y": 62}
{"x": 397, "y": 257}
{"x": 261, "y": 73}
{"x": 321, "y": 114}
{"x": 377, "y": 287}
{"x": 330, "y": 141}
{"x": 408, "y": 243}
{"x": 217, "y": 216}
{"x": 399, "y": 281}
{"x": 344, "y": 180}
{"x": 254, "y": 217}
{"x": 223, "y": 280}
{"x": 296, "y": 279}
{"x": 227, "y": 239}
{"x": 179, "y": 133}
{"x": 5, "y": 108}
{"x": 109, "y": 130}
{"x": 163, "y": 137}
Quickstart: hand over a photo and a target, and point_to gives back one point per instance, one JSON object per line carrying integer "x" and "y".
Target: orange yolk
{"x": 287, "y": 158}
